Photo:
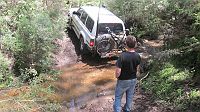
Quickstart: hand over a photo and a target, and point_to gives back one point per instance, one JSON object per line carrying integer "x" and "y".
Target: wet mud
{"x": 87, "y": 82}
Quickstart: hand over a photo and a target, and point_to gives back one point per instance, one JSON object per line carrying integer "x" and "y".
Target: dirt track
{"x": 87, "y": 83}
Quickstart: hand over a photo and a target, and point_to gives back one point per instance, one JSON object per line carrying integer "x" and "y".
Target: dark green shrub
{"x": 29, "y": 29}
{"x": 173, "y": 86}
{"x": 139, "y": 16}
{"x": 5, "y": 73}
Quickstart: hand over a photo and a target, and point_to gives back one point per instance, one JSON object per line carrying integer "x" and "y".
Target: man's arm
{"x": 118, "y": 67}
{"x": 138, "y": 73}
{"x": 117, "y": 72}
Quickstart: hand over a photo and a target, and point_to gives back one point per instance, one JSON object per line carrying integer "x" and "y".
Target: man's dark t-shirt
{"x": 128, "y": 62}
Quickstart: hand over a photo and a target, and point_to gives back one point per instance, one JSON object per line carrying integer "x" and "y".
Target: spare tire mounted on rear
{"x": 105, "y": 44}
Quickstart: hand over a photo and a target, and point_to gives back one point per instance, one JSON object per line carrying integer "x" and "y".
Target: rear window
{"x": 115, "y": 27}
{"x": 89, "y": 24}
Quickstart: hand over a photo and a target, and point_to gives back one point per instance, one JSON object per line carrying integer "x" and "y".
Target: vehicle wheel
{"x": 83, "y": 47}
{"x": 69, "y": 28}
{"x": 69, "y": 24}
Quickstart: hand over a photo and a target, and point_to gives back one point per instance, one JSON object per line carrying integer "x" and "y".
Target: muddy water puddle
{"x": 77, "y": 84}
{"x": 80, "y": 83}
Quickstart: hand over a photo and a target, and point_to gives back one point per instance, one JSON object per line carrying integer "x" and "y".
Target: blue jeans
{"x": 123, "y": 86}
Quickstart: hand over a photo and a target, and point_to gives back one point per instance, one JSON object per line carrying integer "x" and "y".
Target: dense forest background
{"x": 29, "y": 27}
{"x": 175, "y": 73}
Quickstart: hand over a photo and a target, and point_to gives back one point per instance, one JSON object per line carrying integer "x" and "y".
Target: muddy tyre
{"x": 83, "y": 48}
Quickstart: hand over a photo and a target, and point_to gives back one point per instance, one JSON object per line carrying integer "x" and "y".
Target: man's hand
{"x": 117, "y": 72}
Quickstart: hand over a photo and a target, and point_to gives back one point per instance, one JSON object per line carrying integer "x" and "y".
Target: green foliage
{"x": 28, "y": 74}
{"x": 35, "y": 33}
{"x": 42, "y": 93}
{"x": 77, "y": 3}
{"x": 189, "y": 101}
{"x": 36, "y": 96}
{"x": 5, "y": 75}
{"x": 178, "y": 22}
{"x": 52, "y": 107}
{"x": 139, "y": 15}
{"x": 173, "y": 86}
{"x": 29, "y": 28}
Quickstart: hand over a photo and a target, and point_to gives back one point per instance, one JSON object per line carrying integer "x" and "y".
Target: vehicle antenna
{"x": 98, "y": 19}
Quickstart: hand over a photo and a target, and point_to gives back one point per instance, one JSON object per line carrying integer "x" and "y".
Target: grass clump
{"x": 173, "y": 86}
{"x": 6, "y": 76}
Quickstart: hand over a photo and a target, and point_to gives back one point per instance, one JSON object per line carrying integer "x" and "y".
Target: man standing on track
{"x": 126, "y": 69}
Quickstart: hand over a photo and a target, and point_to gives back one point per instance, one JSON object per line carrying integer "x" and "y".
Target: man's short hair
{"x": 131, "y": 41}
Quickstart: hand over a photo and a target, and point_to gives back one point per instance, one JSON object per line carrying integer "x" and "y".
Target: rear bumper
{"x": 113, "y": 53}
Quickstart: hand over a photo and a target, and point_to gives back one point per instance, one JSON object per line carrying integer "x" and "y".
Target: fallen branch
{"x": 21, "y": 100}
{"x": 139, "y": 81}
{"x": 6, "y": 100}
{"x": 30, "y": 100}
{"x": 144, "y": 77}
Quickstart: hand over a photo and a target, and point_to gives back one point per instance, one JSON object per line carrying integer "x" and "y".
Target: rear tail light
{"x": 91, "y": 43}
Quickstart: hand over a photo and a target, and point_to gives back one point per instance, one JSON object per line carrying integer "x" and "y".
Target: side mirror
{"x": 103, "y": 6}
{"x": 76, "y": 13}
{"x": 127, "y": 31}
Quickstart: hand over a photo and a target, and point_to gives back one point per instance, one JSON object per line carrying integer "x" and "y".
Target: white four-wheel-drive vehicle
{"x": 98, "y": 29}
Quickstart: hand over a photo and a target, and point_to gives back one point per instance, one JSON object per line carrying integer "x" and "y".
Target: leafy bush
{"x": 36, "y": 97}
{"x": 28, "y": 28}
{"x": 5, "y": 74}
{"x": 77, "y": 3}
{"x": 28, "y": 31}
{"x": 173, "y": 85}
{"x": 186, "y": 23}
{"x": 178, "y": 21}
{"x": 139, "y": 15}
